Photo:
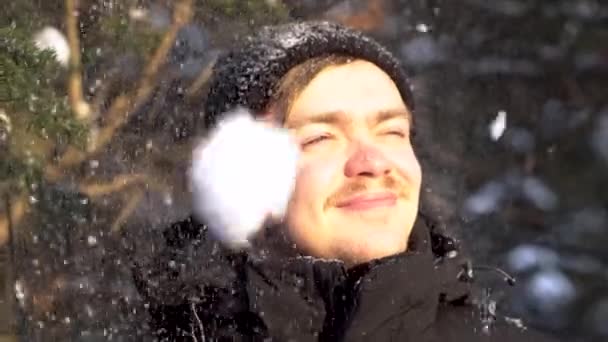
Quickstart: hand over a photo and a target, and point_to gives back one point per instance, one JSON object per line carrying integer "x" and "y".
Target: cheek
{"x": 315, "y": 181}
{"x": 407, "y": 163}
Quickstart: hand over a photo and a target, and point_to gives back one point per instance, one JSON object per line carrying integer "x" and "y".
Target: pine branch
{"x": 117, "y": 115}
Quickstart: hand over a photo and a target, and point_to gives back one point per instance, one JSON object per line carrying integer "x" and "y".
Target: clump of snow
{"x": 517, "y": 322}
{"x": 486, "y": 200}
{"x": 527, "y": 257}
{"x": 423, "y": 28}
{"x": 550, "y": 291}
{"x": 51, "y": 38}
{"x": 241, "y": 176}
{"x": 539, "y": 194}
{"x": 495, "y": 193}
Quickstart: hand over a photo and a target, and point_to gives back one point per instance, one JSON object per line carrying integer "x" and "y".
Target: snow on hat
{"x": 247, "y": 76}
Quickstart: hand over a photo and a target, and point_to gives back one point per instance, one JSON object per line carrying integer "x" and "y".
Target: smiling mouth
{"x": 368, "y": 201}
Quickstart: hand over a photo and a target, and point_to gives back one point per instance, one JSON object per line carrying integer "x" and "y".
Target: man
{"x": 355, "y": 258}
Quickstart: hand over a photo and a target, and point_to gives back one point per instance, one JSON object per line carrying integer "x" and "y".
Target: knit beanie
{"x": 248, "y": 75}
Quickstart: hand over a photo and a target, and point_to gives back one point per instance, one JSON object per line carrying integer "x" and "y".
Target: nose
{"x": 366, "y": 161}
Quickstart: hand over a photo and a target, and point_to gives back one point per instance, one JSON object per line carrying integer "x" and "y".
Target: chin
{"x": 373, "y": 247}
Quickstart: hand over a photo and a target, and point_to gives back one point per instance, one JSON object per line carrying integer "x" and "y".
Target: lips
{"x": 368, "y": 201}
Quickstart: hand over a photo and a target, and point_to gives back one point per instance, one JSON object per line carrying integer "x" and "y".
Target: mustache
{"x": 387, "y": 183}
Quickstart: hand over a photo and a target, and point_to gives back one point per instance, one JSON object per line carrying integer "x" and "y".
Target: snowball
{"x": 51, "y": 38}
{"x": 242, "y": 175}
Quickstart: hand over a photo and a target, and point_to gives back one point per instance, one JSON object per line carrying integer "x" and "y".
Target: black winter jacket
{"x": 197, "y": 291}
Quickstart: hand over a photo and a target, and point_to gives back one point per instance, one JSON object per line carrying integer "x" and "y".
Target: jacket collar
{"x": 417, "y": 278}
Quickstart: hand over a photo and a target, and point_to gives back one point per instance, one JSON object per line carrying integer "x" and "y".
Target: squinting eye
{"x": 397, "y": 133}
{"x": 315, "y": 140}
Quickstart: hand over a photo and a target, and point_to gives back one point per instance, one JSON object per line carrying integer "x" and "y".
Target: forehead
{"x": 359, "y": 88}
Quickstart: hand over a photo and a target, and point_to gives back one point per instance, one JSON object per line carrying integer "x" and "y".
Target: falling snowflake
{"x": 498, "y": 125}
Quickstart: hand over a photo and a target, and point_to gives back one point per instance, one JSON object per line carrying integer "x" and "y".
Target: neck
{"x": 273, "y": 242}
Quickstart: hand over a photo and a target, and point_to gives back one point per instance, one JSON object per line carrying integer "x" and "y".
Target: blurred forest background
{"x": 95, "y": 140}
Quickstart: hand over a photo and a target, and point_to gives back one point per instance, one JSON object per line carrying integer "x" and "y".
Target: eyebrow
{"x": 335, "y": 117}
{"x": 390, "y": 114}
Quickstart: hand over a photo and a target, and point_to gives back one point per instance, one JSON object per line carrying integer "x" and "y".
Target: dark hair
{"x": 247, "y": 75}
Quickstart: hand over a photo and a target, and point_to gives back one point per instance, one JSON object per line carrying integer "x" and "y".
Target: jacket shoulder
{"x": 181, "y": 264}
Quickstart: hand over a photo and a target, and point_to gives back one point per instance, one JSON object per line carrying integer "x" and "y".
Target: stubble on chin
{"x": 361, "y": 242}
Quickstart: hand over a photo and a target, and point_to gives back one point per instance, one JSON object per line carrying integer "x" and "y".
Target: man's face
{"x": 358, "y": 183}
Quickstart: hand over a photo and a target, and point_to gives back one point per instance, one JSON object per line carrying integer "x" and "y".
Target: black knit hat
{"x": 247, "y": 76}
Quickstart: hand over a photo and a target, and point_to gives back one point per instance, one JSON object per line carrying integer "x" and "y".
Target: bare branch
{"x": 120, "y": 182}
{"x": 124, "y": 105}
{"x": 79, "y": 106}
{"x": 127, "y": 210}
{"x": 201, "y": 80}
{"x": 18, "y": 207}
{"x": 198, "y": 321}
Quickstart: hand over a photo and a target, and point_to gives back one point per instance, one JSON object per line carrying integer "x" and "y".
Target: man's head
{"x": 347, "y": 101}
{"x": 358, "y": 183}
